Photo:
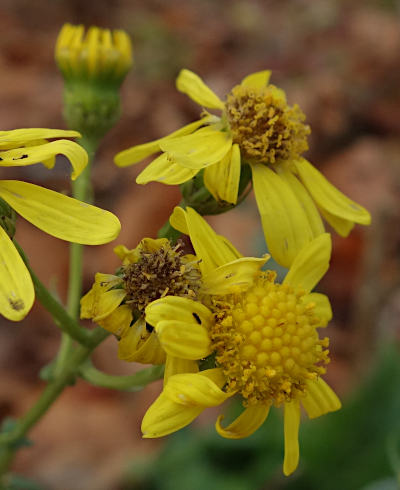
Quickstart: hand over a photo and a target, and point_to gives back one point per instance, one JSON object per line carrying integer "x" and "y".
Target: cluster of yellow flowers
{"x": 220, "y": 322}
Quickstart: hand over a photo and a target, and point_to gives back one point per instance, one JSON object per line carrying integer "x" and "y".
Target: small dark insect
{"x": 16, "y": 305}
{"x": 21, "y": 157}
{"x": 197, "y": 318}
{"x": 149, "y": 328}
{"x": 1, "y": 159}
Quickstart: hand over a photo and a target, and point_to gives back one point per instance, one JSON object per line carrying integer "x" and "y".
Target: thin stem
{"x": 82, "y": 190}
{"x": 132, "y": 382}
{"x": 66, "y": 377}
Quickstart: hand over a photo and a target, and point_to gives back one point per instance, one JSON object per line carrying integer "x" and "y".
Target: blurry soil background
{"x": 339, "y": 60}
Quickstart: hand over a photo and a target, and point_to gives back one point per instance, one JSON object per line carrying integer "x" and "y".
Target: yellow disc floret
{"x": 266, "y": 342}
{"x": 264, "y": 126}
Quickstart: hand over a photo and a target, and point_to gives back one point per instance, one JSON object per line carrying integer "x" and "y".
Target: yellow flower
{"x": 54, "y": 213}
{"x": 259, "y": 128}
{"x": 266, "y": 347}
{"x": 155, "y": 269}
{"x": 101, "y": 55}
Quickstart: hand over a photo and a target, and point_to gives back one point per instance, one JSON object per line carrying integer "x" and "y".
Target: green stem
{"x": 82, "y": 190}
{"x": 66, "y": 377}
{"x": 132, "y": 382}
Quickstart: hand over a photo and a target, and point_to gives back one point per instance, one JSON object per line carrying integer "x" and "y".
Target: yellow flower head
{"x": 266, "y": 346}
{"x": 54, "y": 213}
{"x": 100, "y": 55}
{"x": 155, "y": 269}
{"x": 256, "y": 126}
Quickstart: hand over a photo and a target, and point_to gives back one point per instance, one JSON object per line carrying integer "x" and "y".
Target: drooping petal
{"x": 216, "y": 375}
{"x": 310, "y": 264}
{"x": 246, "y": 424}
{"x": 304, "y": 198}
{"x": 285, "y": 224}
{"x": 328, "y": 197}
{"x": 119, "y": 321}
{"x": 176, "y": 308}
{"x": 16, "y": 289}
{"x": 8, "y": 139}
{"x": 198, "y": 150}
{"x": 180, "y": 339}
{"x": 322, "y": 308}
{"x": 176, "y": 365}
{"x": 30, "y": 155}
{"x": 320, "y": 399}
{"x": 342, "y": 226}
{"x": 108, "y": 302}
{"x": 166, "y": 171}
{"x": 138, "y": 345}
{"x": 59, "y": 215}
{"x": 139, "y": 152}
{"x": 192, "y": 85}
{"x": 222, "y": 179}
{"x": 233, "y": 277}
{"x": 257, "y": 80}
{"x": 194, "y": 390}
{"x": 166, "y": 416}
{"x": 291, "y": 430}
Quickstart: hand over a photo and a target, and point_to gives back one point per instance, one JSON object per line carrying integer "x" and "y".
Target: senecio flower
{"x": 54, "y": 213}
{"x": 263, "y": 335}
{"x": 156, "y": 269}
{"x": 256, "y": 127}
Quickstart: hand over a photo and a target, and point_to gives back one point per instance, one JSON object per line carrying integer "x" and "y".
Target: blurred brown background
{"x": 339, "y": 60}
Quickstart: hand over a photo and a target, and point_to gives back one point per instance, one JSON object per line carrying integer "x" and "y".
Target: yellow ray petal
{"x": 194, "y": 390}
{"x": 291, "y": 430}
{"x": 198, "y": 150}
{"x": 166, "y": 171}
{"x": 310, "y": 264}
{"x": 178, "y": 220}
{"x": 16, "y": 288}
{"x": 108, "y": 302}
{"x": 216, "y": 375}
{"x": 176, "y": 365}
{"x": 137, "y": 345}
{"x": 172, "y": 308}
{"x": 322, "y": 308}
{"x": 304, "y": 198}
{"x": 328, "y": 197}
{"x": 192, "y": 85}
{"x": 257, "y": 80}
{"x": 285, "y": 224}
{"x": 180, "y": 339}
{"x": 8, "y": 139}
{"x": 320, "y": 399}
{"x": 118, "y": 322}
{"x": 139, "y": 152}
{"x": 165, "y": 416}
{"x": 342, "y": 226}
{"x": 35, "y": 154}
{"x": 232, "y": 277}
{"x": 59, "y": 215}
{"x": 222, "y": 179}
{"x": 246, "y": 424}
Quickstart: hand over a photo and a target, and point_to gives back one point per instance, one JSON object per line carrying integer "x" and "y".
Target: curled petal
{"x": 166, "y": 171}
{"x": 59, "y": 215}
{"x": 310, "y": 264}
{"x": 176, "y": 365}
{"x": 9, "y": 139}
{"x": 16, "y": 288}
{"x": 246, "y": 424}
{"x": 342, "y": 226}
{"x": 192, "y": 85}
{"x": 166, "y": 416}
{"x": 320, "y": 399}
{"x": 138, "y": 345}
{"x": 119, "y": 321}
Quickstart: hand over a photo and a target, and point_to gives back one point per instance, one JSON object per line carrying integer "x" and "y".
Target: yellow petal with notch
{"x": 16, "y": 289}
{"x": 192, "y": 85}
{"x": 59, "y": 215}
{"x": 328, "y": 197}
{"x": 310, "y": 264}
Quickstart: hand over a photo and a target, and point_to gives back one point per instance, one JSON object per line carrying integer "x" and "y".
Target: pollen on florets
{"x": 266, "y": 342}
{"x": 264, "y": 126}
{"x": 158, "y": 273}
